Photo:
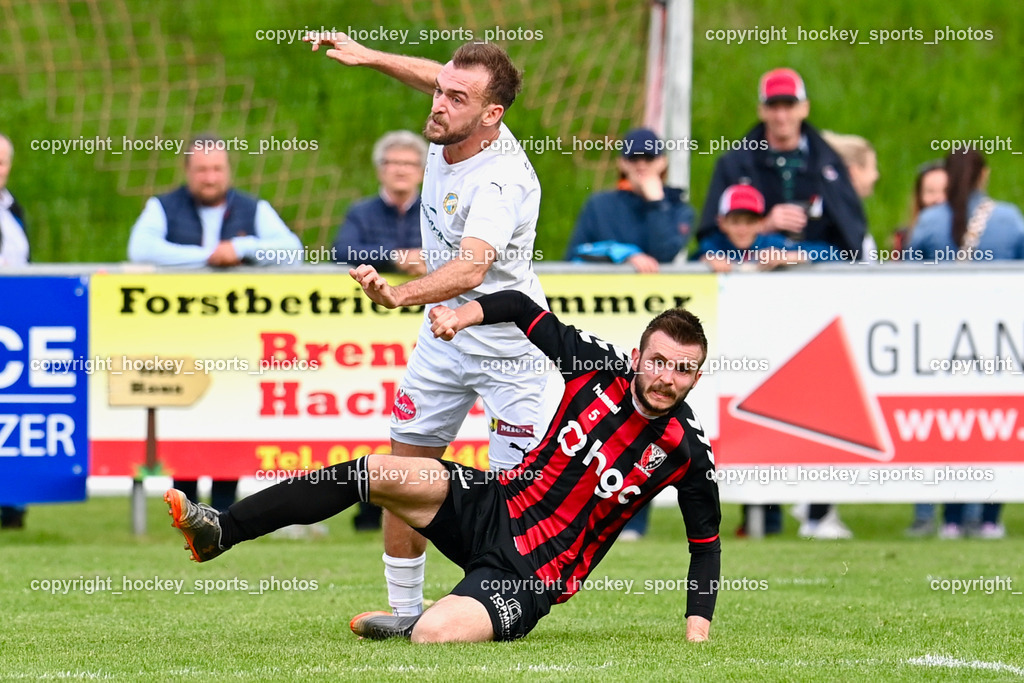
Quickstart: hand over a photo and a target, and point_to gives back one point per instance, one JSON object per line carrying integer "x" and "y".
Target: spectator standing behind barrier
{"x": 969, "y": 224}
{"x": 206, "y": 222}
{"x": 14, "y": 248}
{"x": 862, "y": 164}
{"x": 13, "y": 252}
{"x": 807, "y": 189}
{"x": 384, "y": 231}
{"x": 821, "y": 520}
{"x": 929, "y": 190}
{"x": 642, "y": 221}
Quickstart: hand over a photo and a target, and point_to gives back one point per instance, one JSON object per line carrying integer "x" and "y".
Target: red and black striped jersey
{"x": 600, "y": 460}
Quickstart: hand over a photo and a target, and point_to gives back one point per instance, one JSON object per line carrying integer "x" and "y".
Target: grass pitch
{"x": 856, "y": 610}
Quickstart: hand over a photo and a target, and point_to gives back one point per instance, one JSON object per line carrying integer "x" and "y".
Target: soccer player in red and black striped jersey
{"x": 527, "y": 537}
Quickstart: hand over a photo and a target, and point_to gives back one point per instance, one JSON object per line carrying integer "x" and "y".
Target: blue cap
{"x": 641, "y": 142}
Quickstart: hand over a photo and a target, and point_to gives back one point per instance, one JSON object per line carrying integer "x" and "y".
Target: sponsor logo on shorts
{"x": 508, "y": 611}
{"x": 404, "y": 408}
{"x": 503, "y": 428}
{"x": 653, "y": 456}
{"x": 451, "y": 202}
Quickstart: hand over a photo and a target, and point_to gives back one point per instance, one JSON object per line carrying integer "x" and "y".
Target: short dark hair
{"x": 679, "y": 324}
{"x": 505, "y": 80}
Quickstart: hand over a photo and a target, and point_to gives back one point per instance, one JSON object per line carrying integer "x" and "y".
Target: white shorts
{"x": 442, "y": 383}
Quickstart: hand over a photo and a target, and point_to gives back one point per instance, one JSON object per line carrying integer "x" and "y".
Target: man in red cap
{"x": 806, "y": 187}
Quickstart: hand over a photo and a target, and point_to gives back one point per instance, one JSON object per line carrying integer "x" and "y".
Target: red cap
{"x": 741, "y": 198}
{"x": 781, "y": 85}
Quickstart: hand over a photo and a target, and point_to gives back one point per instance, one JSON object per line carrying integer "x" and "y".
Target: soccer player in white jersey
{"x": 479, "y": 220}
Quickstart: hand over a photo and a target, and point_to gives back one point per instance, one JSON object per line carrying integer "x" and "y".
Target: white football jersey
{"x": 493, "y": 196}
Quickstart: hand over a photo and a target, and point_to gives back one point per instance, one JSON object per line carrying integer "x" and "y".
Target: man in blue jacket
{"x": 384, "y": 230}
{"x": 642, "y": 222}
{"x": 807, "y": 189}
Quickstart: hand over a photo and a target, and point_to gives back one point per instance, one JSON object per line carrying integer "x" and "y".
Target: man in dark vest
{"x": 207, "y": 223}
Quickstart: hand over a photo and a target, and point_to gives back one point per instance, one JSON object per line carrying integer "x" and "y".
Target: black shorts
{"x": 473, "y": 530}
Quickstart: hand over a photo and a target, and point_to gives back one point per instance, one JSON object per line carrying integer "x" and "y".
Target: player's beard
{"x": 448, "y": 136}
{"x": 641, "y": 397}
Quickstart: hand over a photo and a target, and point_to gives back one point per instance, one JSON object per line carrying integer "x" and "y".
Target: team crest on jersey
{"x": 653, "y": 456}
{"x": 404, "y": 408}
{"x": 503, "y": 428}
{"x": 451, "y": 202}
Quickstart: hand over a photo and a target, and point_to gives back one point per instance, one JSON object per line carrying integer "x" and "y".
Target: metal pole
{"x": 138, "y": 486}
{"x": 678, "y": 86}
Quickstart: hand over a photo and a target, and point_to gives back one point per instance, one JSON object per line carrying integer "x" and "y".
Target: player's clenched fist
{"x": 444, "y": 322}
{"x": 342, "y": 48}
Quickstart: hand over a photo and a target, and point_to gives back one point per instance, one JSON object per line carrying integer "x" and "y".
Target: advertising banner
{"x": 302, "y": 370}
{"x": 44, "y": 363}
{"x": 901, "y": 387}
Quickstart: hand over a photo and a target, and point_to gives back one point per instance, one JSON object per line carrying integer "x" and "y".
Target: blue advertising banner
{"x": 44, "y": 346}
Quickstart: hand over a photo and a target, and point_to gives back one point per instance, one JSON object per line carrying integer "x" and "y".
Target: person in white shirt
{"x": 13, "y": 241}
{"x": 207, "y": 223}
{"x": 478, "y": 221}
{"x": 13, "y": 252}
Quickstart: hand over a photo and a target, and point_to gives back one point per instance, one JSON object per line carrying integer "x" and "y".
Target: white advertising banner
{"x": 881, "y": 387}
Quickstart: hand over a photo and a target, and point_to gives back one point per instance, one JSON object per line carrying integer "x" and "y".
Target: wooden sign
{"x": 155, "y": 381}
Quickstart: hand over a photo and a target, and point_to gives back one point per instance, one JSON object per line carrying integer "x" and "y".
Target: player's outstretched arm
{"x": 463, "y": 273}
{"x": 573, "y": 352}
{"x": 509, "y": 306}
{"x": 415, "y": 72}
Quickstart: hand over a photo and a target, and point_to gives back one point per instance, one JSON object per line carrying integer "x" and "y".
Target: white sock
{"x": 405, "y": 577}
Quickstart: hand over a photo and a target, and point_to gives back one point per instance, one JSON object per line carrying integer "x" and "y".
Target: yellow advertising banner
{"x": 303, "y": 369}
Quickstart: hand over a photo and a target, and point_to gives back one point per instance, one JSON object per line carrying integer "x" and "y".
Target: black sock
{"x": 817, "y": 511}
{"x": 307, "y": 499}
